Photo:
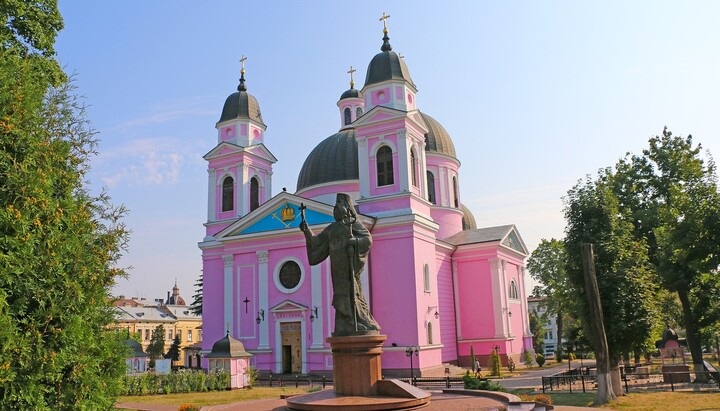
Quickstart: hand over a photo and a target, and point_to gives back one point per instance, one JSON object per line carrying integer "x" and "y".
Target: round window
{"x": 290, "y": 275}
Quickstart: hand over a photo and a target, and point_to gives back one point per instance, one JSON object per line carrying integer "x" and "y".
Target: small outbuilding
{"x": 137, "y": 360}
{"x": 228, "y": 354}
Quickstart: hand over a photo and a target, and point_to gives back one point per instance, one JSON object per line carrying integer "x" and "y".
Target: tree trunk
{"x": 617, "y": 385}
{"x": 693, "y": 339}
{"x": 605, "y": 392}
{"x": 559, "y": 324}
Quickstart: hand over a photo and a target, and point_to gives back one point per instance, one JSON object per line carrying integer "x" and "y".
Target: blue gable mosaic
{"x": 286, "y": 216}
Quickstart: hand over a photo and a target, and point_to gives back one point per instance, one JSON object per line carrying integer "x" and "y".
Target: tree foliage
{"x": 537, "y": 328}
{"x": 174, "y": 350}
{"x": 672, "y": 195}
{"x": 196, "y": 306}
{"x": 625, "y": 281}
{"x": 156, "y": 348}
{"x": 58, "y": 243}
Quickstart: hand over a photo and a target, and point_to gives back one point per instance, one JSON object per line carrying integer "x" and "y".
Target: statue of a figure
{"x": 347, "y": 242}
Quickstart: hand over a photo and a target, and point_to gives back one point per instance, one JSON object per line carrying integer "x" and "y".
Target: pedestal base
{"x": 357, "y": 366}
{"x": 357, "y": 377}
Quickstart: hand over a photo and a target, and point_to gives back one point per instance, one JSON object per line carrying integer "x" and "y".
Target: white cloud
{"x": 169, "y": 111}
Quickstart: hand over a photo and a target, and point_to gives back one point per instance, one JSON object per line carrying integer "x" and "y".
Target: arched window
{"x": 426, "y": 278}
{"x": 358, "y": 112}
{"x": 228, "y": 194}
{"x": 348, "y": 120}
{"x": 513, "y": 292}
{"x": 455, "y": 192}
{"x": 254, "y": 193}
{"x": 431, "y": 188}
{"x": 429, "y": 333}
{"x": 413, "y": 166}
{"x": 384, "y": 166}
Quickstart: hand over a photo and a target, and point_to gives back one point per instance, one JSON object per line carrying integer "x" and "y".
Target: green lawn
{"x": 651, "y": 401}
{"x": 214, "y": 397}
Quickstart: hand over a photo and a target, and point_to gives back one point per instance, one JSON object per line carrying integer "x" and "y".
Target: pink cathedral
{"x": 434, "y": 281}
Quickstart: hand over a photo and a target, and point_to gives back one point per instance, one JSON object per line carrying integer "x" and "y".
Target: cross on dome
{"x": 351, "y": 71}
{"x": 384, "y": 20}
{"x": 242, "y": 86}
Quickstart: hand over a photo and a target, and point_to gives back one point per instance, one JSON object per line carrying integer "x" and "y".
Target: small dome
{"x": 137, "y": 351}
{"x": 241, "y": 105}
{"x": 468, "y": 220}
{"x": 351, "y": 93}
{"x": 387, "y": 65}
{"x": 437, "y": 138}
{"x": 334, "y": 159}
{"x": 228, "y": 347}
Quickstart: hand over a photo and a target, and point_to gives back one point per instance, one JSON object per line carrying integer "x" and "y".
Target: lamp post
{"x": 409, "y": 351}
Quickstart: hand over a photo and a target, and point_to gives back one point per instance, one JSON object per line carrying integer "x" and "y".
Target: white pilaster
{"x": 212, "y": 195}
{"x": 443, "y": 179}
{"x": 228, "y": 321}
{"x": 458, "y": 324}
{"x": 364, "y": 167}
{"x": 523, "y": 299}
{"x": 403, "y": 160}
{"x": 243, "y": 190}
{"x": 497, "y": 301}
{"x": 316, "y": 286}
{"x": 264, "y": 342}
{"x": 268, "y": 185}
{"x": 504, "y": 291}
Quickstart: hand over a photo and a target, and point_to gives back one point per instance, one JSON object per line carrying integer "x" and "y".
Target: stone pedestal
{"x": 357, "y": 375}
{"x": 676, "y": 373}
{"x": 357, "y": 367}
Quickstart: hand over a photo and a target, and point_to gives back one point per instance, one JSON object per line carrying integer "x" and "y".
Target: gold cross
{"x": 351, "y": 71}
{"x": 384, "y": 20}
{"x": 242, "y": 62}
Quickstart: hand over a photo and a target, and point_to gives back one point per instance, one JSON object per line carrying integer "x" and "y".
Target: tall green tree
{"x": 174, "y": 350}
{"x": 196, "y": 306}
{"x": 156, "y": 348}
{"x": 538, "y": 330}
{"x": 625, "y": 281}
{"x": 58, "y": 243}
{"x": 672, "y": 193}
{"x": 547, "y": 265}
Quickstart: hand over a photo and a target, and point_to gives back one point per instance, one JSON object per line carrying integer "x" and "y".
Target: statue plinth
{"x": 357, "y": 367}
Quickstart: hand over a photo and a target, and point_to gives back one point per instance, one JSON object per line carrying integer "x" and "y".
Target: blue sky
{"x": 534, "y": 94}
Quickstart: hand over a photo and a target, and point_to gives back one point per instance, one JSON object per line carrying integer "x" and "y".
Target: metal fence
{"x": 435, "y": 382}
{"x": 295, "y": 380}
{"x": 640, "y": 379}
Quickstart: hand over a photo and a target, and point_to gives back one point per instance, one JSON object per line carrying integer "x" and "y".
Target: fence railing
{"x": 582, "y": 380}
{"x": 435, "y": 382}
{"x": 295, "y": 380}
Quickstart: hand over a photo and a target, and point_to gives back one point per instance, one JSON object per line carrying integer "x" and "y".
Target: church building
{"x": 435, "y": 283}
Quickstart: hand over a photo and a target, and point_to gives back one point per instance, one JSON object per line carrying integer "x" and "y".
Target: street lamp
{"x": 409, "y": 350}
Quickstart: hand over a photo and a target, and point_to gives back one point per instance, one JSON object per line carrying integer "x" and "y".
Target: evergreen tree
{"x": 174, "y": 351}
{"x": 196, "y": 306}
{"x": 58, "y": 243}
{"x": 156, "y": 348}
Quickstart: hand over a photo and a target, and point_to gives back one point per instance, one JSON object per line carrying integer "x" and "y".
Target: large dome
{"x": 336, "y": 157}
{"x": 387, "y": 65}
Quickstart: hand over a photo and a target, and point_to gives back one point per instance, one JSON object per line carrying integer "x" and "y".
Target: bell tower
{"x": 240, "y": 166}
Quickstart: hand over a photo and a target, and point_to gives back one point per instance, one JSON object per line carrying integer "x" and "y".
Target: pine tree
{"x": 196, "y": 306}
{"x": 174, "y": 351}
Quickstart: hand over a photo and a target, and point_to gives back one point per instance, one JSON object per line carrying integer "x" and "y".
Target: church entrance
{"x": 290, "y": 335}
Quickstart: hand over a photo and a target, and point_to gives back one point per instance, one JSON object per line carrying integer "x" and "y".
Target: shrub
{"x": 189, "y": 407}
{"x": 472, "y": 383}
{"x": 494, "y": 363}
{"x": 253, "y": 375}
{"x": 528, "y": 358}
{"x": 540, "y": 360}
{"x": 511, "y": 365}
{"x": 543, "y": 399}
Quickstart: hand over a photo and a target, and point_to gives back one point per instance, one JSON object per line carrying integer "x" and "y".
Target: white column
{"x": 458, "y": 325}
{"x": 443, "y": 179}
{"x": 264, "y": 342}
{"x": 422, "y": 178}
{"x": 497, "y": 303}
{"x": 504, "y": 289}
{"x": 243, "y": 187}
{"x": 403, "y": 156}
{"x": 228, "y": 322}
{"x": 363, "y": 167}
{"x": 268, "y": 185}
{"x": 317, "y": 325}
{"x": 523, "y": 298}
{"x": 212, "y": 195}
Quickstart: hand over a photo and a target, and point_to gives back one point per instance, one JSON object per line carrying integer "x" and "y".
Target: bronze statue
{"x": 347, "y": 242}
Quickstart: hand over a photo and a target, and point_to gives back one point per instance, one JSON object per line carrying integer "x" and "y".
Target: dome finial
{"x": 242, "y": 87}
{"x": 386, "y": 40}
{"x": 352, "y": 82}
